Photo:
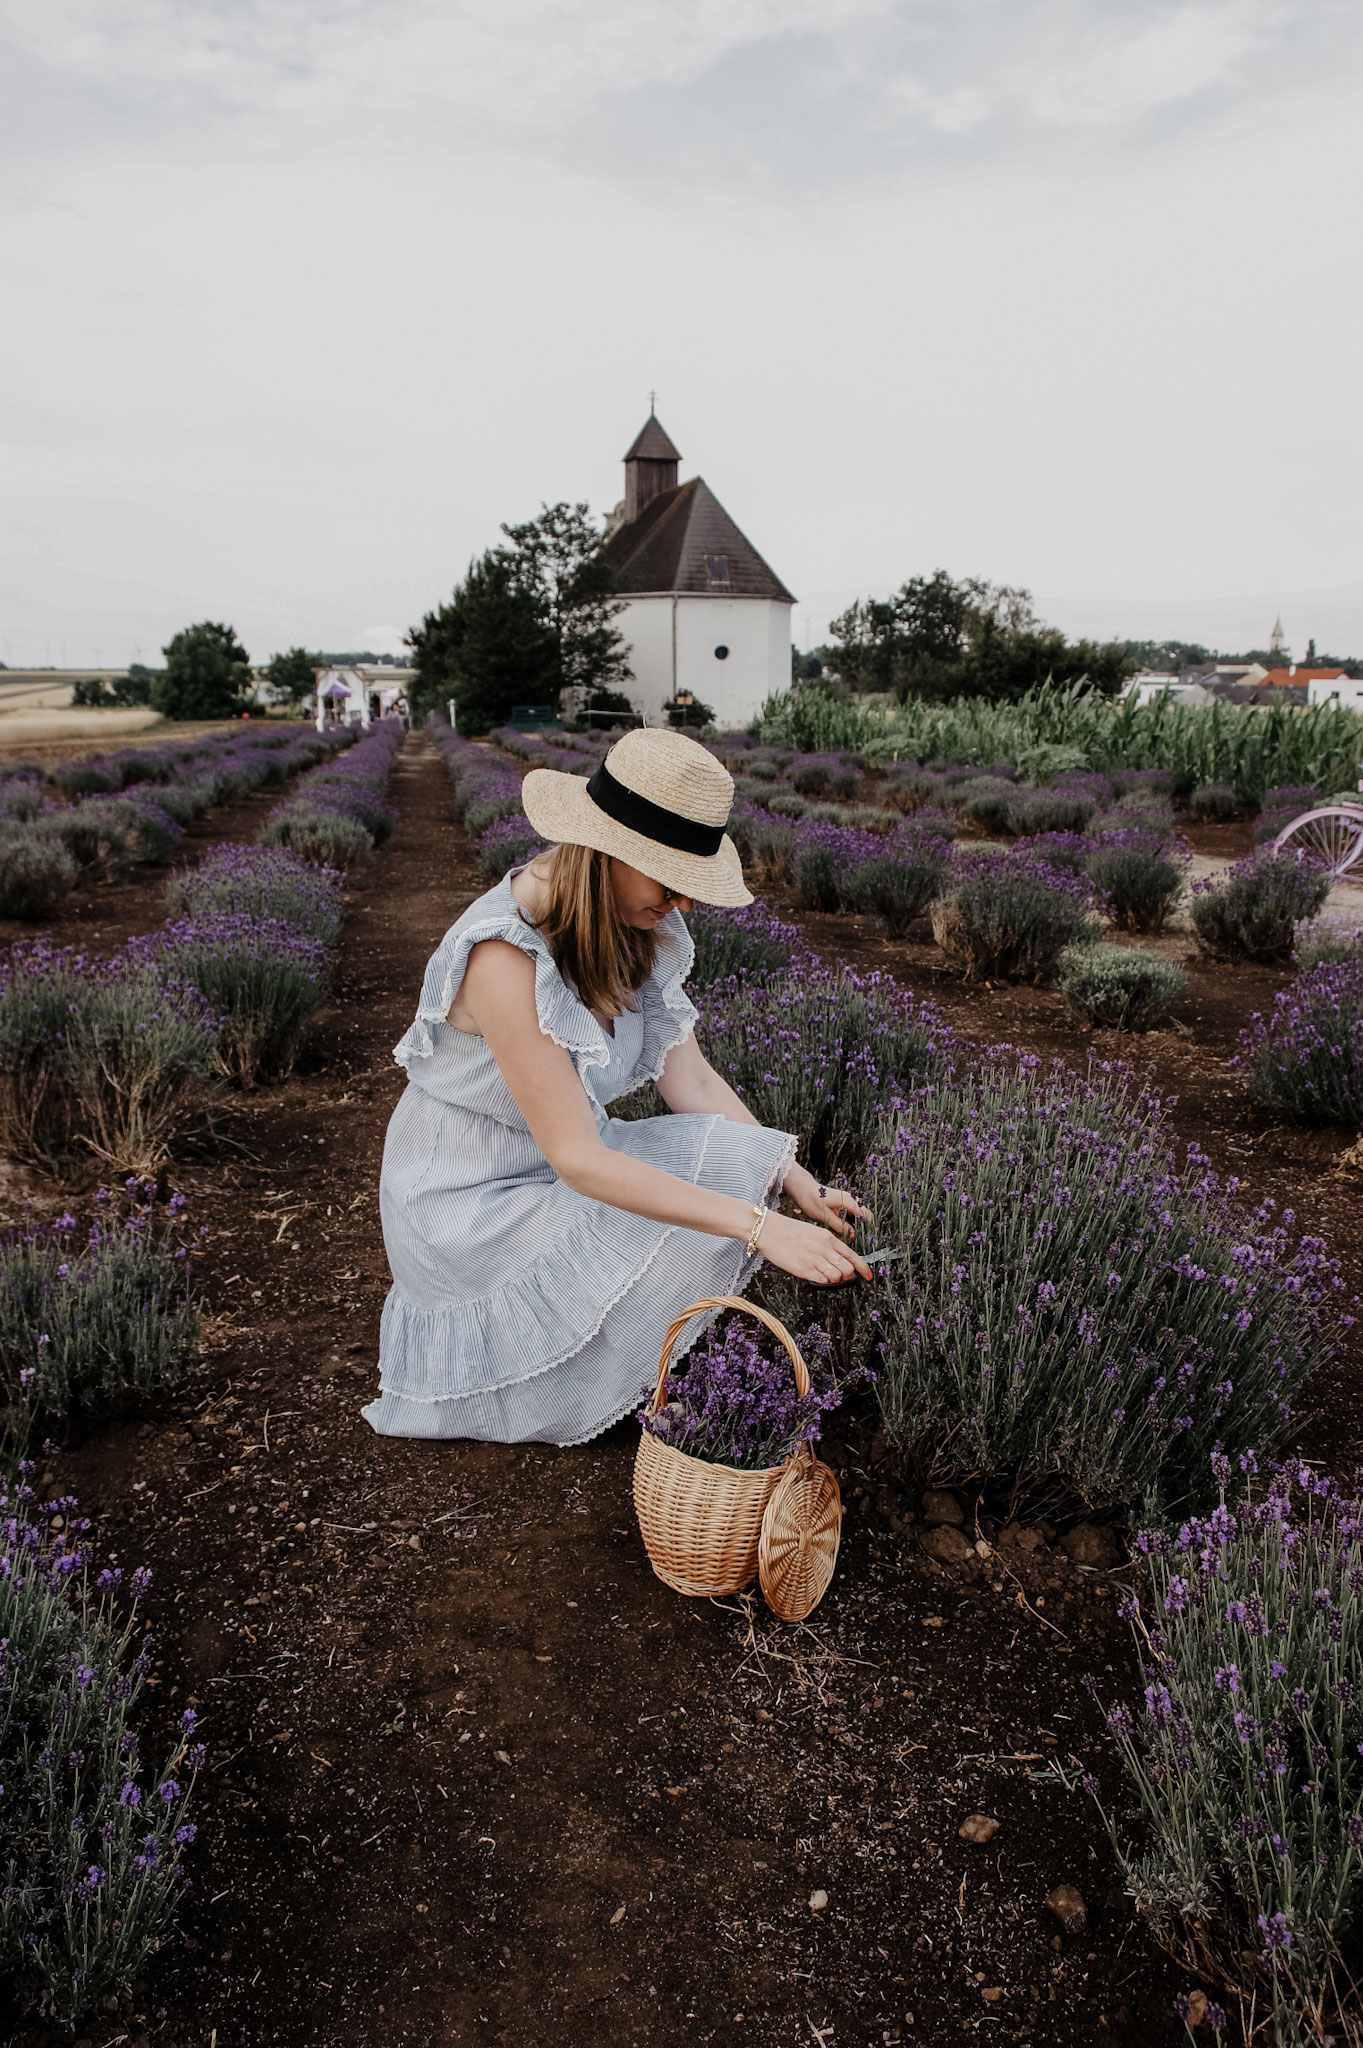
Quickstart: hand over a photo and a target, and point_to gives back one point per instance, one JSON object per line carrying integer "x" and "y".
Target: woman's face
{"x": 643, "y": 903}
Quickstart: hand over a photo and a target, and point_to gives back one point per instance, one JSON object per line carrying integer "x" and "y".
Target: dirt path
{"x": 476, "y": 1775}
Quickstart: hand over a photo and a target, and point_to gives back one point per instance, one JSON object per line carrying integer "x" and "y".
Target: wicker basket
{"x": 703, "y": 1524}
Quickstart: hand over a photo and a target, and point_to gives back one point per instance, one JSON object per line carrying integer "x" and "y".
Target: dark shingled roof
{"x": 684, "y": 542}
{"x": 651, "y": 444}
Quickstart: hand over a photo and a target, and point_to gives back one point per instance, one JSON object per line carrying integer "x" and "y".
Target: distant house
{"x": 1281, "y": 678}
{"x": 354, "y": 696}
{"x": 1333, "y": 686}
{"x": 1184, "y": 689}
{"x": 704, "y": 616}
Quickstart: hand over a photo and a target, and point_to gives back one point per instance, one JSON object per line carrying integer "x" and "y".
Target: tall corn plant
{"x": 1252, "y": 747}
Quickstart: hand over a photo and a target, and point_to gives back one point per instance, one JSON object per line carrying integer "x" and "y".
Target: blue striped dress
{"x": 521, "y": 1312}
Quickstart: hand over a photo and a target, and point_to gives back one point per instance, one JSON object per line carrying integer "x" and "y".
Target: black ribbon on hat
{"x": 638, "y": 814}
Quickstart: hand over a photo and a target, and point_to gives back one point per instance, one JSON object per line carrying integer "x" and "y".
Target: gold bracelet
{"x": 760, "y": 1214}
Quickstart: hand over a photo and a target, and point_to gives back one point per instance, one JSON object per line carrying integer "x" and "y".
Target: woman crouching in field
{"x": 540, "y": 1247}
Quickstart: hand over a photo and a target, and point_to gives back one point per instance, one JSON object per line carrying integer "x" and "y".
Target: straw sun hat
{"x": 658, "y": 802}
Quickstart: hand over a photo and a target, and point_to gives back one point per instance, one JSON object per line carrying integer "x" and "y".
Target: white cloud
{"x": 1119, "y": 75}
{"x": 508, "y": 66}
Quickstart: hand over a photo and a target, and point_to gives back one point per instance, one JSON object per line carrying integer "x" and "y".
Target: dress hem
{"x": 743, "y": 1274}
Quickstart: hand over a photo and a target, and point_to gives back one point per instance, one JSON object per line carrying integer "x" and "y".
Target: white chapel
{"x": 703, "y": 613}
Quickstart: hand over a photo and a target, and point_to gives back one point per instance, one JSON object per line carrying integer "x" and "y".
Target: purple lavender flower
{"x": 736, "y": 1404}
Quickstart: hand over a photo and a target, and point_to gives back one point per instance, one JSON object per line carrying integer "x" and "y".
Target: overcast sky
{"x": 302, "y": 298}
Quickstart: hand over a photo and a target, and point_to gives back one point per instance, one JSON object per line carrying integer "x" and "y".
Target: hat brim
{"x": 560, "y": 809}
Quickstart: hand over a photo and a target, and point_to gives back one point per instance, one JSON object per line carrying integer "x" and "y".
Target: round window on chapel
{"x": 721, "y": 654}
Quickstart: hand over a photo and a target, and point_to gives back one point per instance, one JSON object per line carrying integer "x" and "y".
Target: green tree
{"x": 489, "y": 648}
{"x": 558, "y": 557}
{"x": 939, "y": 638}
{"x": 206, "y": 674}
{"x": 135, "y": 686}
{"x": 1165, "y": 656}
{"x": 89, "y": 693}
{"x": 292, "y": 674}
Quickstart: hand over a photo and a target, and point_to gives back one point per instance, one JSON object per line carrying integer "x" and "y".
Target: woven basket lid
{"x": 798, "y": 1548}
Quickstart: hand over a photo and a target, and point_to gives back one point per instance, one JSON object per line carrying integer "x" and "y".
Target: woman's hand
{"x": 809, "y": 1253}
{"x": 828, "y": 1206}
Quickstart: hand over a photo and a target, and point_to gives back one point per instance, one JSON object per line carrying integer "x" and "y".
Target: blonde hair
{"x": 605, "y": 959}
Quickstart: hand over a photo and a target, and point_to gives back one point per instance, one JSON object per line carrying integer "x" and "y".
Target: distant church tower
{"x": 1277, "y": 639}
{"x": 703, "y": 612}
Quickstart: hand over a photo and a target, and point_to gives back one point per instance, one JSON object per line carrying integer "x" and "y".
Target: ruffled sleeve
{"x": 669, "y": 1014}
{"x": 561, "y": 1016}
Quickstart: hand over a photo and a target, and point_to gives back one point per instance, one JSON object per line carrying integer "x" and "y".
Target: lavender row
{"x": 130, "y": 806}
{"x": 341, "y": 812}
{"x": 1244, "y": 1750}
{"x": 112, "y": 1056}
{"x": 93, "y": 1833}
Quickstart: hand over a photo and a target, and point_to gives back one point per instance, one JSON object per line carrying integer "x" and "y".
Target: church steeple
{"x": 1277, "y": 639}
{"x": 650, "y": 467}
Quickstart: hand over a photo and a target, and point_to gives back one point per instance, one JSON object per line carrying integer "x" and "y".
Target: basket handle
{"x": 749, "y": 1308}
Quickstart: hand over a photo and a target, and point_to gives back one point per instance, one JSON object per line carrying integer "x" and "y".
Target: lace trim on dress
{"x": 562, "y": 1017}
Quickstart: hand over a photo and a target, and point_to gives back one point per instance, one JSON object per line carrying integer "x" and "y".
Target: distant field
{"x": 37, "y": 720}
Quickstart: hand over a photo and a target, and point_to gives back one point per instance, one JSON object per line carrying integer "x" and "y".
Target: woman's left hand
{"x": 829, "y": 1206}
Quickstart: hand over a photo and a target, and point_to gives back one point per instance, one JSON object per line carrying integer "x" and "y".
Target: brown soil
{"x": 475, "y": 1774}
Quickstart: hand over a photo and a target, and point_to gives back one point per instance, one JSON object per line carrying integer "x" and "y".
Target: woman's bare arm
{"x": 690, "y": 1084}
{"x": 497, "y": 999}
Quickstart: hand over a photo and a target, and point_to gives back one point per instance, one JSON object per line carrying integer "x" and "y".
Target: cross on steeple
{"x": 652, "y": 402}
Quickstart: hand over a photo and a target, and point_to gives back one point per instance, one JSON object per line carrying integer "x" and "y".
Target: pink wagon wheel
{"x": 1331, "y": 839}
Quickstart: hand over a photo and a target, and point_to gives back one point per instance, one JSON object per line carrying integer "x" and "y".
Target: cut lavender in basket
{"x": 735, "y": 1403}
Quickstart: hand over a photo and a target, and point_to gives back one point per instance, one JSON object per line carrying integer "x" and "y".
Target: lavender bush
{"x": 86, "y": 778}
{"x": 262, "y": 979}
{"x": 21, "y": 799}
{"x": 734, "y": 1401}
{"x": 897, "y": 878}
{"x": 746, "y": 943}
{"x": 92, "y": 1835}
{"x": 1068, "y": 851}
{"x": 820, "y": 856}
{"x": 1306, "y": 1059}
{"x": 261, "y": 881}
{"x": 508, "y": 843}
{"x": 155, "y": 833}
{"x": 909, "y": 787}
{"x": 1328, "y": 939}
{"x": 1254, "y": 910}
{"x": 98, "y": 1054}
{"x": 818, "y": 1052}
{"x": 824, "y": 775}
{"x": 1214, "y": 802}
{"x": 101, "y": 835}
{"x": 986, "y": 800}
{"x": 1269, "y": 824}
{"x": 768, "y": 843}
{"x": 1049, "y": 810}
{"x": 1140, "y": 876}
{"x": 340, "y": 813}
{"x": 1292, "y": 797}
{"x": 1118, "y": 987}
{"x": 1156, "y": 782}
{"x": 1008, "y": 916}
{"x": 1244, "y": 1755}
{"x": 323, "y": 837}
{"x": 36, "y": 871}
{"x": 1077, "y": 1303}
{"x": 94, "y": 1321}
